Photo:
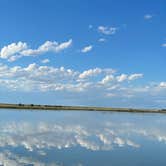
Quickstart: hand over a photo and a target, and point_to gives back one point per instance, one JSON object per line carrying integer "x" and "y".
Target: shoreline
{"x": 77, "y": 108}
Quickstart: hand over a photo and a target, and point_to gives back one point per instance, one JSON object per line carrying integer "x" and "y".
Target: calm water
{"x": 82, "y": 139}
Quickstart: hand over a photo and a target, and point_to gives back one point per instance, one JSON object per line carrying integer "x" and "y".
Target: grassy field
{"x": 83, "y": 108}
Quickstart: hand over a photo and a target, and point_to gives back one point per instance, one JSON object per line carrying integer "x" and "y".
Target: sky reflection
{"x": 32, "y": 140}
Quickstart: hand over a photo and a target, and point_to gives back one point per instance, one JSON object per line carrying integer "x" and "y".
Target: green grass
{"x": 83, "y": 108}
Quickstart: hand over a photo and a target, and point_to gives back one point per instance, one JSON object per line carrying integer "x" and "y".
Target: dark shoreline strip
{"x": 77, "y": 108}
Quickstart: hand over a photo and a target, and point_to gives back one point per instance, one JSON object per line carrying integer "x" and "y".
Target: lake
{"x": 78, "y": 138}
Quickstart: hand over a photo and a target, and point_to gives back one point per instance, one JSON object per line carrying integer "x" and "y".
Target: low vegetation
{"x": 84, "y": 108}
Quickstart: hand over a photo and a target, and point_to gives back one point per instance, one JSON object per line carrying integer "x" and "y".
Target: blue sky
{"x": 107, "y": 53}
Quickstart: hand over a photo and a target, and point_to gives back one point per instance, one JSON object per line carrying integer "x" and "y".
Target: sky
{"x": 97, "y": 53}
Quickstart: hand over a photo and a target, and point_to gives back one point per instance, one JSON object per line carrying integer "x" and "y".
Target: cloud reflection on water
{"x": 103, "y": 134}
{"x": 44, "y": 135}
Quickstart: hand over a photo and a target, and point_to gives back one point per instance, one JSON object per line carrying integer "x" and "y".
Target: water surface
{"x": 77, "y": 138}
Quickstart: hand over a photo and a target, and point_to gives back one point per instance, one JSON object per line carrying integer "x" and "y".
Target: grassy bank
{"x": 84, "y": 108}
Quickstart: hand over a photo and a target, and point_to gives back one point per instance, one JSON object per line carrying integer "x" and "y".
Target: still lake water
{"x": 75, "y": 138}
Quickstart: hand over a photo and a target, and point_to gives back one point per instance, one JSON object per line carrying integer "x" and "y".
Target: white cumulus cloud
{"x": 122, "y": 77}
{"x": 102, "y": 40}
{"x": 15, "y": 51}
{"x": 87, "y": 49}
{"x": 162, "y": 84}
{"x": 45, "y": 61}
{"x": 107, "y": 79}
{"x": 135, "y": 76}
{"x": 95, "y": 84}
{"x": 107, "y": 30}
{"x": 148, "y": 16}
{"x": 12, "y": 49}
{"x": 90, "y": 72}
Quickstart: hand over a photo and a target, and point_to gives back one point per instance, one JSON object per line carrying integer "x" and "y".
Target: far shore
{"x": 77, "y": 108}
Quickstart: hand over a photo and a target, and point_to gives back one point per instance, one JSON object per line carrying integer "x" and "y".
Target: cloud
{"x": 107, "y": 79}
{"x": 47, "y": 78}
{"x": 164, "y": 45}
{"x": 122, "y": 77}
{"x": 162, "y": 84}
{"x": 45, "y": 61}
{"x": 102, "y": 40}
{"x": 87, "y": 49}
{"x": 148, "y": 16}
{"x": 90, "y": 73}
{"x": 107, "y": 30}
{"x": 15, "y": 51}
{"x": 12, "y": 49}
{"x": 92, "y": 86}
{"x": 135, "y": 76}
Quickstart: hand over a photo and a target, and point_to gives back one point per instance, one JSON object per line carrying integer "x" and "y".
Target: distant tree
{"x": 20, "y": 104}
